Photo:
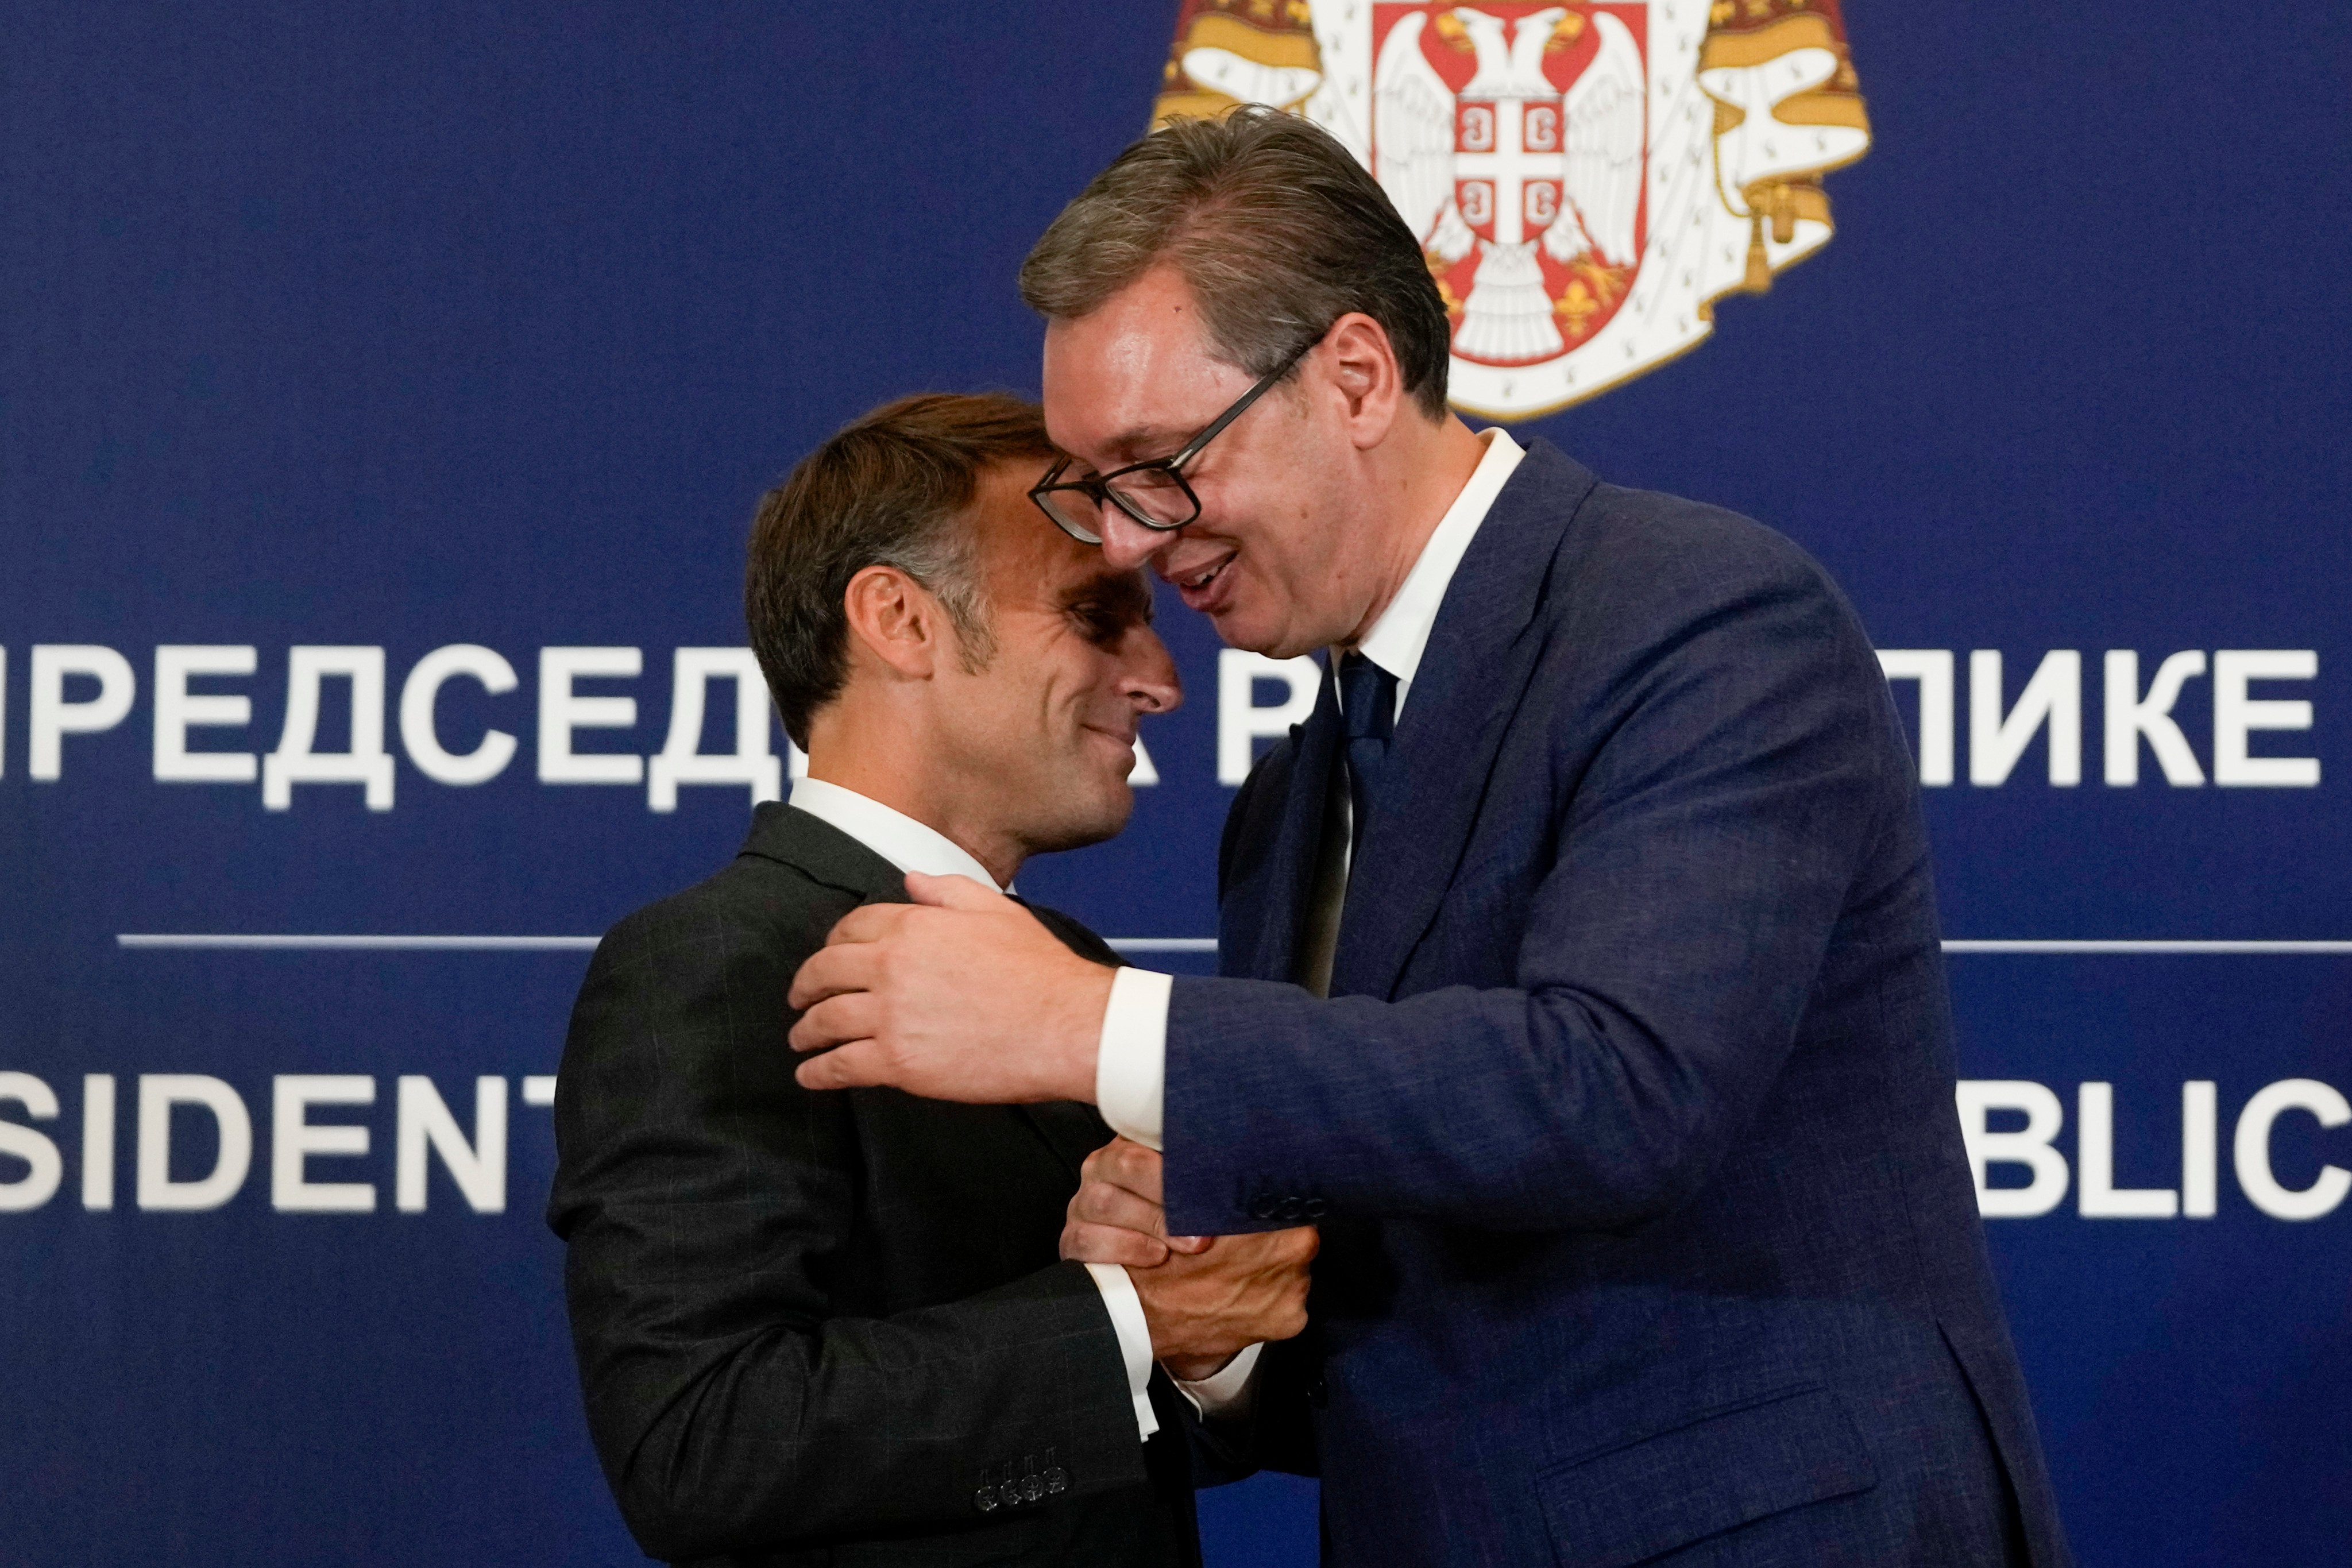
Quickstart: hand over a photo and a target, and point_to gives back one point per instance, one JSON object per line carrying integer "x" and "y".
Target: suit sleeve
{"x": 1695, "y": 871}
{"x": 704, "y": 1197}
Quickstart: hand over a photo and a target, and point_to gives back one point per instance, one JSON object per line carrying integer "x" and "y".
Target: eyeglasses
{"x": 1153, "y": 494}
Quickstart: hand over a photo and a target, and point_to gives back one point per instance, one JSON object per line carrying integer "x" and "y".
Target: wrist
{"x": 1195, "y": 1368}
{"x": 1078, "y": 1033}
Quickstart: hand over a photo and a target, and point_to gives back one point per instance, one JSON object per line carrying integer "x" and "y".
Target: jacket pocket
{"x": 1717, "y": 1473}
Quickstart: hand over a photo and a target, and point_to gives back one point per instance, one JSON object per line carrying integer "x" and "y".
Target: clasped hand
{"x": 1204, "y": 1298}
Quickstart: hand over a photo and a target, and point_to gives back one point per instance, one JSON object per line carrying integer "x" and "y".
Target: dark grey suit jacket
{"x": 830, "y": 1327}
{"x": 1648, "y": 1232}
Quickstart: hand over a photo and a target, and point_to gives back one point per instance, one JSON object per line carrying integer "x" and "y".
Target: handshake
{"x": 1205, "y": 1298}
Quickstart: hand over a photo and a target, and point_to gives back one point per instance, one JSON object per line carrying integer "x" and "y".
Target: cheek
{"x": 1046, "y": 703}
{"x": 991, "y": 715}
{"x": 1294, "y": 552}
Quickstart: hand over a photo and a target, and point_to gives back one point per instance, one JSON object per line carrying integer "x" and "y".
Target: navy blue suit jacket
{"x": 1648, "y": 1230}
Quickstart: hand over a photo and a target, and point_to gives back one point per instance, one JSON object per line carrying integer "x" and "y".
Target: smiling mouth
{"x": 1206, "y": 575}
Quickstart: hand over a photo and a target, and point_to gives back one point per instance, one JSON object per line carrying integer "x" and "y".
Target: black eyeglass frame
{"x": 1097, "y": 488}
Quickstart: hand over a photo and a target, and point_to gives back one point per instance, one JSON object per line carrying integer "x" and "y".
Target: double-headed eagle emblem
{"x": 1586, "y": 179}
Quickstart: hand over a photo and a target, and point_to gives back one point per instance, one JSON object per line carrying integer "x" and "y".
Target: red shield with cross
{"x": 1512, "y": 138}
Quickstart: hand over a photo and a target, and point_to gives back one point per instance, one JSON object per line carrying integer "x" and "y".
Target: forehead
{"x": 1137, "y": 376}
{"x": 1024, "y": 557}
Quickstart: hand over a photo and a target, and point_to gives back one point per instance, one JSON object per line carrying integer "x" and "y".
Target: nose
{"x": 1149, "y": 679}
{"x": 1126, "y": 544}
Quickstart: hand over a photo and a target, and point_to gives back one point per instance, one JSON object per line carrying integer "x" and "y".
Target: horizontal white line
{"x": 365, "y": 943}
{"x": 2147, "y": 947}
{"x": 293, "y": 942}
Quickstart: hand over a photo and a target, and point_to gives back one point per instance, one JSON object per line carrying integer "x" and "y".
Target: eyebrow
{"x": 1147, "y": 441}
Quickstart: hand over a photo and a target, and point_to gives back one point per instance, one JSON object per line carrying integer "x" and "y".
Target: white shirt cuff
{"x": 1132, "y": 1063}
{"x": 1227, "y": 1393}
{"x": 1126, "y": 1308}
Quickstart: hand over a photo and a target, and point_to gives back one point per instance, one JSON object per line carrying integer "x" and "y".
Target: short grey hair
{"x": 1277, "y": 227}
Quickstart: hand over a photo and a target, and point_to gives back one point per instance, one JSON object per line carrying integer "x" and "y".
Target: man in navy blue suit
{"x": 1581, "y": 976}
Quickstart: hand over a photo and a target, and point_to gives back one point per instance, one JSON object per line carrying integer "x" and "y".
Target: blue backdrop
{"x": 393, "y": 327}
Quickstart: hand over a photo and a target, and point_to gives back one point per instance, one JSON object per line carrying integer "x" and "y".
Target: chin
{"x": 1270, "y": 642}
{"x": 1238, "y": 627}
{"x": 1260, "y": 629}
{"x": 1104, "y": 815}
{"x": 1113, "y": 806}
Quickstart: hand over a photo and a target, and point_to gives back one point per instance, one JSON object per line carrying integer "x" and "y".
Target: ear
{"x": 1362, "y": 367}
{"x": 894, "y": 620}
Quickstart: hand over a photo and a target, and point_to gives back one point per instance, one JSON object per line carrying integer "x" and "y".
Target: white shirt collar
{"x": 899, "y": 838}
{"x": 1399, "y": 637}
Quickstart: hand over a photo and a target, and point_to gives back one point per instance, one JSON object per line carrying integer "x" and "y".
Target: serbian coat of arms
{"x": 1586, "y": 179}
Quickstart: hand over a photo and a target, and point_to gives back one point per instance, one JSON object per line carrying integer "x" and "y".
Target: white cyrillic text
{"x": 297, "y": 758}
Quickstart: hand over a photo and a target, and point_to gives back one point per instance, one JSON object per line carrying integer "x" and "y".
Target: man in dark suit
{"x": 1582, "y": 970}
{"x": 835, "y": 1329}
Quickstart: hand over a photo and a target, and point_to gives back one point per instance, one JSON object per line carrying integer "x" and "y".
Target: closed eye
{"x": 1107, "y": 609}
{"x": 1100, "y": 625}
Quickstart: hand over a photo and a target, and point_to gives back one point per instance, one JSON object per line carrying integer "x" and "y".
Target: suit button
{"x": 1314, "y": 1208}
{"x": 985, "y": 1499}
{"x": 1057, "y": 1481}
{"x": 1289, "y": 1208}
{"x": 1264, "y": 1209}
{"x": 1318, "y": 1393}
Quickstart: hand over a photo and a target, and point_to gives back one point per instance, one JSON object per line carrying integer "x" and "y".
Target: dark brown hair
{"x": 1276, "y": 226}
{"x": 884, "y": 490}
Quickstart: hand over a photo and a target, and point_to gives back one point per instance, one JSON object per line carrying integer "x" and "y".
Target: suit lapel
{"x": 1258, "y": 939}
{"x": 1070, "y": 1130}
{"x": 1481, "y": 653}
{"x": 818, "y": 849}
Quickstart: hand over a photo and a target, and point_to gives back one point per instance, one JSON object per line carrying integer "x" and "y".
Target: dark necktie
{"x": 1367, "y": 704}
{"x": 1367, "y": 708}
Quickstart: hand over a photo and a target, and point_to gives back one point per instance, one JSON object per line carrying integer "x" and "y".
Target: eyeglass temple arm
{"x": 1265, "y": 385}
